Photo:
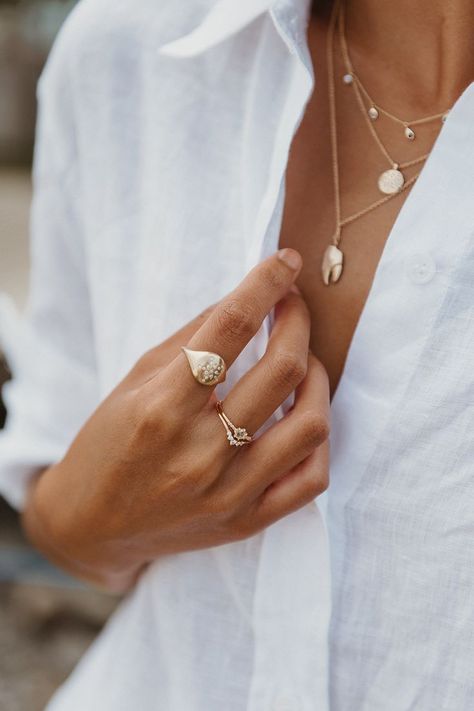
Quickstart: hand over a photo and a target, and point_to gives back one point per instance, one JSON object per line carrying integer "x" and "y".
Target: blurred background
{"x": 46, "y": 619}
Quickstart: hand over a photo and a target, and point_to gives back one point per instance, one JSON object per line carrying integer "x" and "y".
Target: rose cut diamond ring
{"x": 237, "y": 436}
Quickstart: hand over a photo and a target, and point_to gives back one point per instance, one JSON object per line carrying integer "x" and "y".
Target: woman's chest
{"x": 325, "y": 144}
{"x": 172, "y": 223}
{"x": 309, "y": 223}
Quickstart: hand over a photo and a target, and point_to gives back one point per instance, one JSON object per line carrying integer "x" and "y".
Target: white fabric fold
{"x": 226, "y": 18}
{"x": 158, "y": 185}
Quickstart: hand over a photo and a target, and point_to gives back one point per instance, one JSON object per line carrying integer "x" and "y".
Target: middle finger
{"x": 234, "y": 321}
{"x": 267, "y": 384}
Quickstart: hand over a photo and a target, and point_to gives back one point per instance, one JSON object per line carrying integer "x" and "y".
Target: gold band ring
{"x": 207, "y": 368}
{"x": 237, "y": 436}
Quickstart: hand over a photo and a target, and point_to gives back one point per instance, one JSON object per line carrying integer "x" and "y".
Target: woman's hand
{"x": 152, "y": 473}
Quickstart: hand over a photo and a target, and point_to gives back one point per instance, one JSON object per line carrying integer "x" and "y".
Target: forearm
{"x": 39, "y": 522}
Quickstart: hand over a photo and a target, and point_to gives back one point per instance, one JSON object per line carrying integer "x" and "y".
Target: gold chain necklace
{"x": 391, "y": 182}
{"x": 375, "y": 110}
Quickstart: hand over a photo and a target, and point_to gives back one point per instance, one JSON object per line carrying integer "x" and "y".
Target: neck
{"x": 417, "y": 52}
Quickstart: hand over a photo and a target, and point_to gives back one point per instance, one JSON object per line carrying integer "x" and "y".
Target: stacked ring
{"x": 209, "y": 369}
{"x": 237, "y": 436}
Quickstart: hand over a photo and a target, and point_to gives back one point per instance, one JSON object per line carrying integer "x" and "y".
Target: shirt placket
{"x": 292, "y": 597}
{"x": 291, "y": 606}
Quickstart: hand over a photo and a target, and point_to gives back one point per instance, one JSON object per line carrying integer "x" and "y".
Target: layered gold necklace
{"x": 391, "y": 181}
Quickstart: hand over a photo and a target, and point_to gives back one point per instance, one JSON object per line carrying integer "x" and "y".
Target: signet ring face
{"x": 207, "y": 368}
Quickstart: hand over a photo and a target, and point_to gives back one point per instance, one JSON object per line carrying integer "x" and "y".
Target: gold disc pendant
{"x": 391, "y": 181}
{"x": 332, "y": 264}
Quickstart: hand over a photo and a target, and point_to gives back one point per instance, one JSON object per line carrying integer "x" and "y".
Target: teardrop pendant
{"x": 409, "y": 133}
{"x": 332, "y": 264}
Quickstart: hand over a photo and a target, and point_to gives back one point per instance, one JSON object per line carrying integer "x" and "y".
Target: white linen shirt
{"x": 159, "y": 181}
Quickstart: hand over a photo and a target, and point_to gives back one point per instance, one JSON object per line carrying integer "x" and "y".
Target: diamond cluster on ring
{"x": 239, "y": 437}
{"x": 210, "y": 370}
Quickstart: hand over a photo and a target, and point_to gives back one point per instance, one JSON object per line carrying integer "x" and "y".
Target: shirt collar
{"x": 228, "y": 17}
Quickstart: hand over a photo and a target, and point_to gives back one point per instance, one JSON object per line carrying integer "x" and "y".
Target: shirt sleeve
{"x": 50, "y": 350}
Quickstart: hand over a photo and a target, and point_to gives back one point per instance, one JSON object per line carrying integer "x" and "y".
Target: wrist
{"x": 68, "y": 542}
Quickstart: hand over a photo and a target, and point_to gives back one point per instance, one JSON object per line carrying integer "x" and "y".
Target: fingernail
{"x": 290, "y": 257}
{"x": 295, "y": 289}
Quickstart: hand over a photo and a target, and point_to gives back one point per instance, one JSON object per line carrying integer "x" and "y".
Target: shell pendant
{"x": 332, "y": 264}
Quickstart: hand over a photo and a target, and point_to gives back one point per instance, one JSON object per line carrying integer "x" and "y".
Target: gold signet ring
{"x": 207, "y": 368}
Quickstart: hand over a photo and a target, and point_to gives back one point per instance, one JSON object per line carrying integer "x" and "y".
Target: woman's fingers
{"x": 289, "y": 441}
{"x": 160, "y": 356}
{"x": 235, "y": 320}
{"x": 303, "y": 482}
{"x": 268, "y": 383}
{"x": 298, "y": 487}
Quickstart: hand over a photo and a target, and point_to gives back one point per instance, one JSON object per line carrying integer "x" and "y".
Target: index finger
{"x": 238, "y": 317}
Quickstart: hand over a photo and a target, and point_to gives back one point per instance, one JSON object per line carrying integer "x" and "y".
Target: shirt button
{"x": 420, "y": 268}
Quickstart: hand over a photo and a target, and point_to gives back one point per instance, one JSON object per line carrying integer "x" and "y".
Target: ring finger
{"x": 290, "y": 440}
{"x": 269, "y": 382}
